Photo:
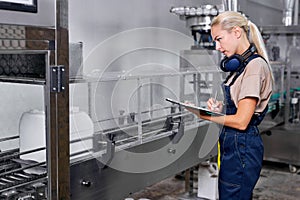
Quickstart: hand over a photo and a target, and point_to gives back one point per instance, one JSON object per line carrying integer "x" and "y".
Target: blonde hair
{"x": 230, "y": 19}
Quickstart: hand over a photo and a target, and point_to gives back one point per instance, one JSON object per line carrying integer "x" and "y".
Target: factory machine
{"x": 72, "y": 130}
{"x": 68, "y": 134}
{"x": 281, "y": 135}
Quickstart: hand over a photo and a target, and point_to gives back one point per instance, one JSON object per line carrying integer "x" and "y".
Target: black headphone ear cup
{"x": 222, "y": 64}
{"x": 236, "y": 61}
{"x": 232, "y": 63}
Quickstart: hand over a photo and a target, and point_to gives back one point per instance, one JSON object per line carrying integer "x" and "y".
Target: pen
{"x": 216, "y": 95}
{"x": 214, "y": 105}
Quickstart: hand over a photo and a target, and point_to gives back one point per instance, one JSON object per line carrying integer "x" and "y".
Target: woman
{"x": 247, "y": 90}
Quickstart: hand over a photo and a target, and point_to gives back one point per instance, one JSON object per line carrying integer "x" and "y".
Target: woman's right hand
{"x": 214, "y": 105}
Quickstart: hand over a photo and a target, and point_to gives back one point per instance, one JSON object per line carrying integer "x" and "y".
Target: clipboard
{"x": 201, "y": 110}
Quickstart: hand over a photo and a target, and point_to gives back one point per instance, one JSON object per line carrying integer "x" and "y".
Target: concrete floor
{"x": 276, "y": 182}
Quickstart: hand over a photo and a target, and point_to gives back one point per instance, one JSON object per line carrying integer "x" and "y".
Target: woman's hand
{"x": 214, "y": 105}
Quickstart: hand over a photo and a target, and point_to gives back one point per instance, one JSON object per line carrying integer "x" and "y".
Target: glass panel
{"x": 23, "y": 170}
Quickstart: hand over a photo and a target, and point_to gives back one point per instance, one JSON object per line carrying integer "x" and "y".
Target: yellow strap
{"x": 219, "y": 155}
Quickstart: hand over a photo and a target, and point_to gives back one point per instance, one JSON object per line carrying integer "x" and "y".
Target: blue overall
{"x": 241, "y": 152}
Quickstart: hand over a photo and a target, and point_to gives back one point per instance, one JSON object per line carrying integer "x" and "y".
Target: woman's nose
{"x": 218, "y": 46}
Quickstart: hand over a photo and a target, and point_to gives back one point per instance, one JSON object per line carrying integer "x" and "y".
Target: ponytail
{"x": 255, "y": 37}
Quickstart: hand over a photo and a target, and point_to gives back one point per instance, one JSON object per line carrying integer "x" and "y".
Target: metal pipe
{"x": 296, "y": 12}
{"x": 151, "y": 97}
{"x": 235, "y": 5}
{"x": 155, "y": 120}
{"x": 231, "y": 5}
{"x": 287, "y": 105}
{"x": 9, "y": 138}
{"x": 288, "y": 12}
{"x": 17, "y": 154}
{"x": 139, "y": 101}
{"x": 29, "y": 166}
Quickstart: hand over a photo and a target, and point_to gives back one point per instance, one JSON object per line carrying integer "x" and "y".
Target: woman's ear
{"x": 237, "y": 31}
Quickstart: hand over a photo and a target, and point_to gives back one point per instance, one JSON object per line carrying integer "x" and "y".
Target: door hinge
{"x": 57, "y": 78}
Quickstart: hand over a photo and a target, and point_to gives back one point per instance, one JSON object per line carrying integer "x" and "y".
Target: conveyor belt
{"x": 21, "y": 179}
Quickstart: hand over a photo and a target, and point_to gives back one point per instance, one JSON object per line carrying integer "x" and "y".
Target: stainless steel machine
{"x": 281, "y": 140}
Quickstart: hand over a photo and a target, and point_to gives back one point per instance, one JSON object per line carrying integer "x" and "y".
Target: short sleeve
{"x": 251, "y": 86}
{"x": 255, "y": 82}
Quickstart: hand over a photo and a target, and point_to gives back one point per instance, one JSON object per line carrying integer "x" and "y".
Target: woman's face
{"x": 226, "y": 41}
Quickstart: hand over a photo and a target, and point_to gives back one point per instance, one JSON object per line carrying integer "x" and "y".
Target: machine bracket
{"x": 169, "y": 124}
{"x": 178, "y": 134}
{"x": 110, "y": 151}
{"x": 57, "y": 78}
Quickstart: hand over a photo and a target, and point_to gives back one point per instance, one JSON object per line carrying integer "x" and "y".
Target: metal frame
{"x": 58, "y": 123}
{"x": 56, "y": 41}
{"x": 17, "y": 6}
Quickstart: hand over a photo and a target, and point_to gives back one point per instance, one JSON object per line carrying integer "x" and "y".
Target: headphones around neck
{"x": 235, "y": 62}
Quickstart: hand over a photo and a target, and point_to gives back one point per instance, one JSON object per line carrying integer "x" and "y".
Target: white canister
{"x": 32, "y": 133}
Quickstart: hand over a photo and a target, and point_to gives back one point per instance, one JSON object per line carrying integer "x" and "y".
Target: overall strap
{"x": 257, "y": 118}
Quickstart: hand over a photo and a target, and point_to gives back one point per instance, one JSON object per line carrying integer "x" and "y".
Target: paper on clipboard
{"x": 202, "y": 111}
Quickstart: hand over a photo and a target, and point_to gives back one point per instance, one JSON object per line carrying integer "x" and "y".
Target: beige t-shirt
{"x": 255, "y": 81}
